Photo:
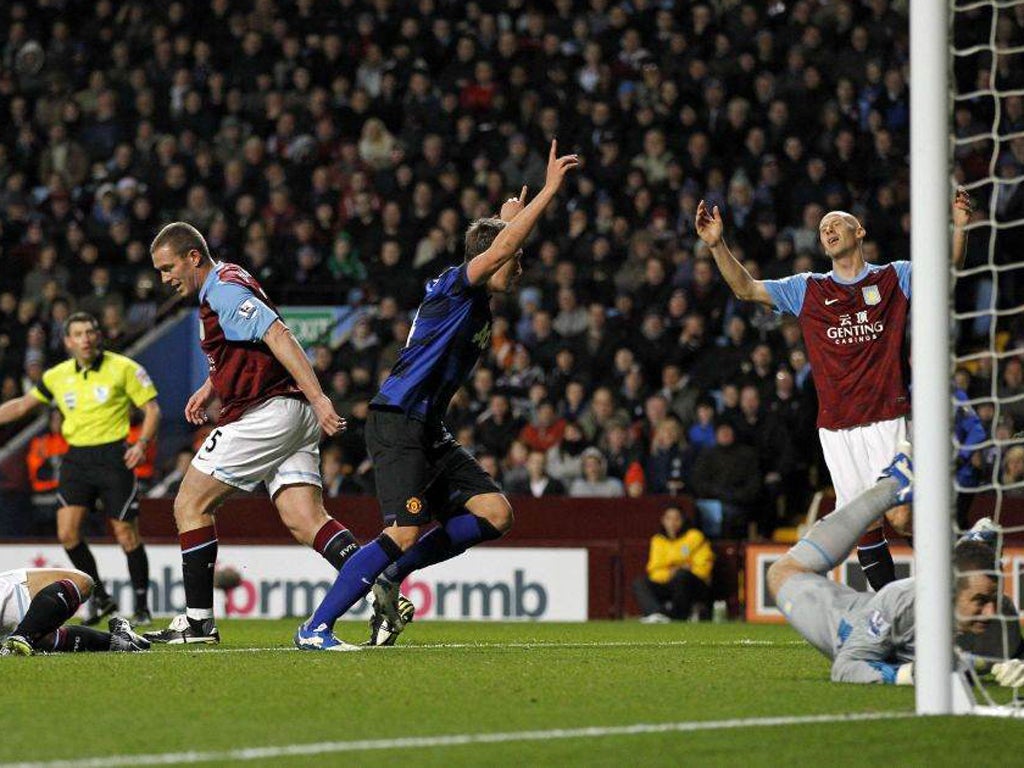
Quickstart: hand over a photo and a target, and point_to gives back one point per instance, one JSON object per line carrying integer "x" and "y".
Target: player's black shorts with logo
{"x": 98, "y": 472}
{"x": 421, "y": 471}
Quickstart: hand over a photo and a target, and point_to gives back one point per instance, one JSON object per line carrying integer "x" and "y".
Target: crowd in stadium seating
{"x": 338, "y": 148}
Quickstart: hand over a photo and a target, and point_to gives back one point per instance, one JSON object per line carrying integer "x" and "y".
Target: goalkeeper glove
{"x": 905, "y": 674}
{"x": 1009, "y": 674}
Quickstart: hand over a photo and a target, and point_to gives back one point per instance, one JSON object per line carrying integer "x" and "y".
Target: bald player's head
{"x": 840, "y": 234}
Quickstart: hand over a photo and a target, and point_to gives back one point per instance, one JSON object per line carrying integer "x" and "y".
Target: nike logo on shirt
{"x": 830, "y": 302}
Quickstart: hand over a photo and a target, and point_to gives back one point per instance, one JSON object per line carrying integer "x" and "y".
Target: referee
{"x": 93, "y": 389}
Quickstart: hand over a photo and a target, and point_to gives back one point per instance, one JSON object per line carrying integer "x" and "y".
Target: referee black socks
{"x": 81, "y": 557}
{"x": 138, "y": 571}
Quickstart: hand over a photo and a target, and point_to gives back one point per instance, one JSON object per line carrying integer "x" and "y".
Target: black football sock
{"x": 52, "y": 606}
{"x": 876, "y": 559}
{"x": 75, "y": 639}
{"x": 138, "y": 570}
{"x": 335, "y": 543}
{"x": 81, "y": 557}
{"x": 198, "y": 556}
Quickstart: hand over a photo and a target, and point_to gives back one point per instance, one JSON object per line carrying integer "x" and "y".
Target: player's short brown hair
{"x": 481, "y": 234}
{"x": 181, "y": 237}
{"x": 973, "y": 557}
{"x": 80, "y": 317}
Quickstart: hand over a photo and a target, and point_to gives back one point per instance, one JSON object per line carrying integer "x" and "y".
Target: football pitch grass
{"x": 453, "y": 694}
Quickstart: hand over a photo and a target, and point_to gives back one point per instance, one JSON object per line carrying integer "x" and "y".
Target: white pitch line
{"x": 454, "y": 740}
{"x": 538, "y": 646}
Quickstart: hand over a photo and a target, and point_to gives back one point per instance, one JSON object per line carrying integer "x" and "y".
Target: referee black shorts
{"x": 421, "y": 471}
{"x": 97, "y": 472}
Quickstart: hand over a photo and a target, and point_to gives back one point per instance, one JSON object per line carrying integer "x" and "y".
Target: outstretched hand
{"x": 963, "y": 207}
{"x": 558, "y": 167}
{"x": 709, "y": 224}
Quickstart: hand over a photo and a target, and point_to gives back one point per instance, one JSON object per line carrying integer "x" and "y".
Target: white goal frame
{"x": 930, "y": 319}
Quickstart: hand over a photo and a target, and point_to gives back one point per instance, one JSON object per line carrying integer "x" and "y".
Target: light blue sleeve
{"x": 242, "y": 315}
{"x": 903, "y": 273}
{"x": 788, "y": 293}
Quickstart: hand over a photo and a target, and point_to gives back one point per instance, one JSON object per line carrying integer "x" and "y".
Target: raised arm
{"x": 963, "y": 207}
{"x": 709, "y": 229}
{"x": 19, "y": 407}
{"x": 512, "y": 237}
{"x": 285, "y": 347}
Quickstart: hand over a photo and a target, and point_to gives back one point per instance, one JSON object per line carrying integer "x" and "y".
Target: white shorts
{"x": 14, "y": 599}
{"x": 857, "y": 456}
{"x": 277, "y": 443}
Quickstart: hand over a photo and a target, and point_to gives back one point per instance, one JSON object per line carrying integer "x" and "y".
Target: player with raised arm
{"x": 273, "y": 413}
{"x": 853, "y": 320}
{"x": 35, "y": 603}
{"x": 423, "y": 474}
{"x": 870, "y": 637}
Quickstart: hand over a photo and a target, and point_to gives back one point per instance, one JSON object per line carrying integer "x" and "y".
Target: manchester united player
{"x": 269, "y": 428}
{"x": 429, "y": 475}
{"x": 853, "y": 320}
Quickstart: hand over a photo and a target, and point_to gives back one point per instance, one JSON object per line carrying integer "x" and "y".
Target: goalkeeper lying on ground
{"x": 870, "y": 636}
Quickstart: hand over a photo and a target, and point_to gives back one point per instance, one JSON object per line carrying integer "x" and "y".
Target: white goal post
{"x": 930, "y": 260}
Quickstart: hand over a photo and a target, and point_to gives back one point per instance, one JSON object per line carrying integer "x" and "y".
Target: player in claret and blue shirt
{"x": 853, "y": 320}
{"x": 422, "y": 473}
{"x": 273, "y": 414}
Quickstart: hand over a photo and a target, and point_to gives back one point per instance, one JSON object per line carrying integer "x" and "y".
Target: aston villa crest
{"x": 871, "y": 295}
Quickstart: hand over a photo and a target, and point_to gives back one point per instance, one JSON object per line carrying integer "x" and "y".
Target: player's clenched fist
{"x": 709, "y": 224}
{"x": 330, "y": 422}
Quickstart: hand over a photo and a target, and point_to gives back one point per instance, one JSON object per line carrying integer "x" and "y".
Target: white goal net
{"x": 986, "y": 80}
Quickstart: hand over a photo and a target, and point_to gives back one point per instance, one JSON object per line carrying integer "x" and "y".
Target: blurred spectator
{"x": 1013, "y": 471}
{"x": 726, "y": 489}
{"x": 545, "y": 429}
{"x": 668, "y": 466}
{"x": 537, "y": 483}
{"x": 595, "y": 481}
{"x": 565, "y": 460}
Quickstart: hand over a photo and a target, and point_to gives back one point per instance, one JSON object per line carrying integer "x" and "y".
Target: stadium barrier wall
{"x": 496, "y": 584}
{"x": 760, "y": 607}
{"x": 614, "y": 533}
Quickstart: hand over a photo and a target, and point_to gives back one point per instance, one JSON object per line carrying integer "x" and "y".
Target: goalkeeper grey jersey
{"x": 875, "y": 636}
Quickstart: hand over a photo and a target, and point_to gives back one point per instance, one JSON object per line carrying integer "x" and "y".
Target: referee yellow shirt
{"x": 95, "y": 400}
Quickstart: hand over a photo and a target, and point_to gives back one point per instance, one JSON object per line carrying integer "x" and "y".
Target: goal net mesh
{"x": 987, "y": 82}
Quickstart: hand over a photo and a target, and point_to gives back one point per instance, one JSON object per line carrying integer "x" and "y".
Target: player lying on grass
{"x": 35, "y": 603}
{"x": 870, "y": 636}
{"x": 423, "y": 474}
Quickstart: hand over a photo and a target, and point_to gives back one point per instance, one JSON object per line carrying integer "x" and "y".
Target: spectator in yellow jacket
{"x": 678, "y": 571}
